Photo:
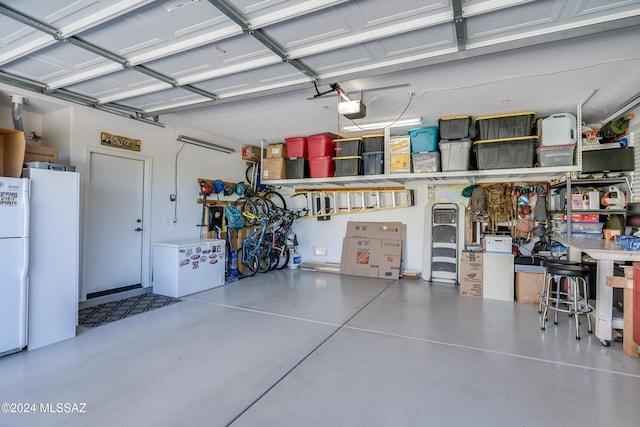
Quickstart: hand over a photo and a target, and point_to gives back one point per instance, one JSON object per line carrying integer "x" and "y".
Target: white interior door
{"x": 114, "y": 225}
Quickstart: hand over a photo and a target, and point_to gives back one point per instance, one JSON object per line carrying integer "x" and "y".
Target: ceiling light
{"x": 415, "y": 121}
{"x": 205, "y": 144}
{"x": 352, "y": 109}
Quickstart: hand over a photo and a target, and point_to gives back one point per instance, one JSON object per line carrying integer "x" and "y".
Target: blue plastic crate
{"x": 424, "y": 139}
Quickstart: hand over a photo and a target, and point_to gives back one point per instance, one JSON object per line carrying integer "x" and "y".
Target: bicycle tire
{"x": 276, "y": 198}
{"x": 264, "y": 260}
{"x": 250, "y": 207}
{"x": 263, "y": 206}
{"x": 251, "y": 263}
{"x": 283, "y": 259}
{"x": 252, "y": 173}
{"x": 274, "y": 258}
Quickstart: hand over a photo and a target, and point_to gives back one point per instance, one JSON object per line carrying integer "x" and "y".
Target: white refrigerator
{"x": 188, "y": 266}
{"x": 54, "y": 256}
{"x": 14, "y": 263}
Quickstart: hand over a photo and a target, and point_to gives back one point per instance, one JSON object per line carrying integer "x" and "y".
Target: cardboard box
{"x": 400, "y": 145}
{"x": 12, "y": 146}
{"x": 400, "y": 163}
{"x": 249, "y": 152}
{"x": 498, "y": 244}
{"x": 383, "y": 242}
{"x": 390, "y": 260}
{"x": 39, "y": 153}
{"x": 376, "y": 230}
{"x": 277, "y": 151}
{"x": 360, "y": 257}
{"x": 529, "y": 282}
{"x": 273, "y": 169}
{"x": 471, "y": 273}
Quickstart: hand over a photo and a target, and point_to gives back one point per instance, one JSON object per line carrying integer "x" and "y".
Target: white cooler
{"x": 188, "y": 266}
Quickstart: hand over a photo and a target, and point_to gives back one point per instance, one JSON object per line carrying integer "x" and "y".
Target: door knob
{"x": 138, "y": 229}
{"x": 138, "y": 220}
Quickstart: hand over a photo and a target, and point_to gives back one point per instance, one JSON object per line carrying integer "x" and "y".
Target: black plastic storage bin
{"x": 505, "y": 126}
{"x": 297, "y": 168}
{"x": 372, "y": 143}
{"x": 458, "y": 127}
{"x": 373, "y": 163}
{"x": 348, "y": 165}
{"x": 348, "y": 147}
{"x": 506, "y": 153}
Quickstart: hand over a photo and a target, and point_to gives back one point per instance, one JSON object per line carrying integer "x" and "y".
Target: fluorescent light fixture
{"x": 352, "y": 109}
{"x": 173, "y": 5}
{"x": 623, "y": 109}
{"x": 205, "y": 144}
{"x": 415, "y": 121}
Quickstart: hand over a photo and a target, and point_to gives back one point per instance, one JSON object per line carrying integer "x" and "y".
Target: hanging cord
{"x": 175, "y": 184}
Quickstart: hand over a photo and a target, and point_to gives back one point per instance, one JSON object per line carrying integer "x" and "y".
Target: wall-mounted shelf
{"x": 451, "y": 177}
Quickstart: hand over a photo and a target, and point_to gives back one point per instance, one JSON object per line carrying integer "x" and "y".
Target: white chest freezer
{"x": 188, "y": 266}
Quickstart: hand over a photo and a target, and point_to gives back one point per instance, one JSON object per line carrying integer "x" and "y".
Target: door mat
{"x": 92, "y": 317}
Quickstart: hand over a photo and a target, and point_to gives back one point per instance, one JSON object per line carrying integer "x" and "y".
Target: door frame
{"x": 145, "y": 268}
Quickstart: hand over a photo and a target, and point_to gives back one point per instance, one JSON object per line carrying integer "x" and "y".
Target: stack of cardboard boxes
{"x": 373, "y": 249}
{"x": 273, "y": 166}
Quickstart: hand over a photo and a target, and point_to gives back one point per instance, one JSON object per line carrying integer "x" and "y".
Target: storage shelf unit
{"x": 590, "y": 182}
{"x": 449, "y": 177}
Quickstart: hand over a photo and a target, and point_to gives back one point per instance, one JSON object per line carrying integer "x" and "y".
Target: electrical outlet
{"x": 319, "y": 251}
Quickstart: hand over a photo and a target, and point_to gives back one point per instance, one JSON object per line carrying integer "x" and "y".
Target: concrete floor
{"x": 296, "y": 348}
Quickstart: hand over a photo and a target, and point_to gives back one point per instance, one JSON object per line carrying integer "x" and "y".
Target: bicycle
{"x": 256, "y": 250}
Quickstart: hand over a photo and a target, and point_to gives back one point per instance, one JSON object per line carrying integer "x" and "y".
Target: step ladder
{"x": 324, "y": 202}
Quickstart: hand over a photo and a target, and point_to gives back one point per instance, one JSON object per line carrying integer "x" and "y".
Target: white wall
{"x": 160, "y": 145}
{"x": 73, "y": 129}
{"x": 329, "y": 234}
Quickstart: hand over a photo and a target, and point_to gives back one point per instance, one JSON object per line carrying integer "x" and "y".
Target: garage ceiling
{"x": 224, "y": 64}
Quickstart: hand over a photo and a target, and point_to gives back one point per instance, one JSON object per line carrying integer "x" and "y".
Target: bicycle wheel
{"x": 283, "y": 259}
{"x": 249, "y": 259}
{"x": 276, "y": 198}
{"x": 263, "y": 206}
{"x": 264, "y": 260}
{"x": 250, "y": 207}
{"x": 252, "y": 173}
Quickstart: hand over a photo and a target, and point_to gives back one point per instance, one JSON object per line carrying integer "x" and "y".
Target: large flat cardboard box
{"x": 376, "y": 230}
{"x": 39, "y": 153}
{"x": 528, "y": 284}
{"x": 360, "y": 257}
{"x": 273, "y": 169}
{"x": 12, "y": 145}
{"x": 390, "y": 260}
{"x": 471, "y": 273}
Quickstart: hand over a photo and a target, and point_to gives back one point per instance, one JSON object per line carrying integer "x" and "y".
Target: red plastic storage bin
{"x": 321, "y": 167}
{"x": 320, "y": 145}
{"x": 296, "y": 147}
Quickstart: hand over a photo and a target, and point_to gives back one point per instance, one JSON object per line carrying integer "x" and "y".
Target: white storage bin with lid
{"x": 557, "y": 129}
{"x": 455, "y": 155}
{"x": 555, "y": 155}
